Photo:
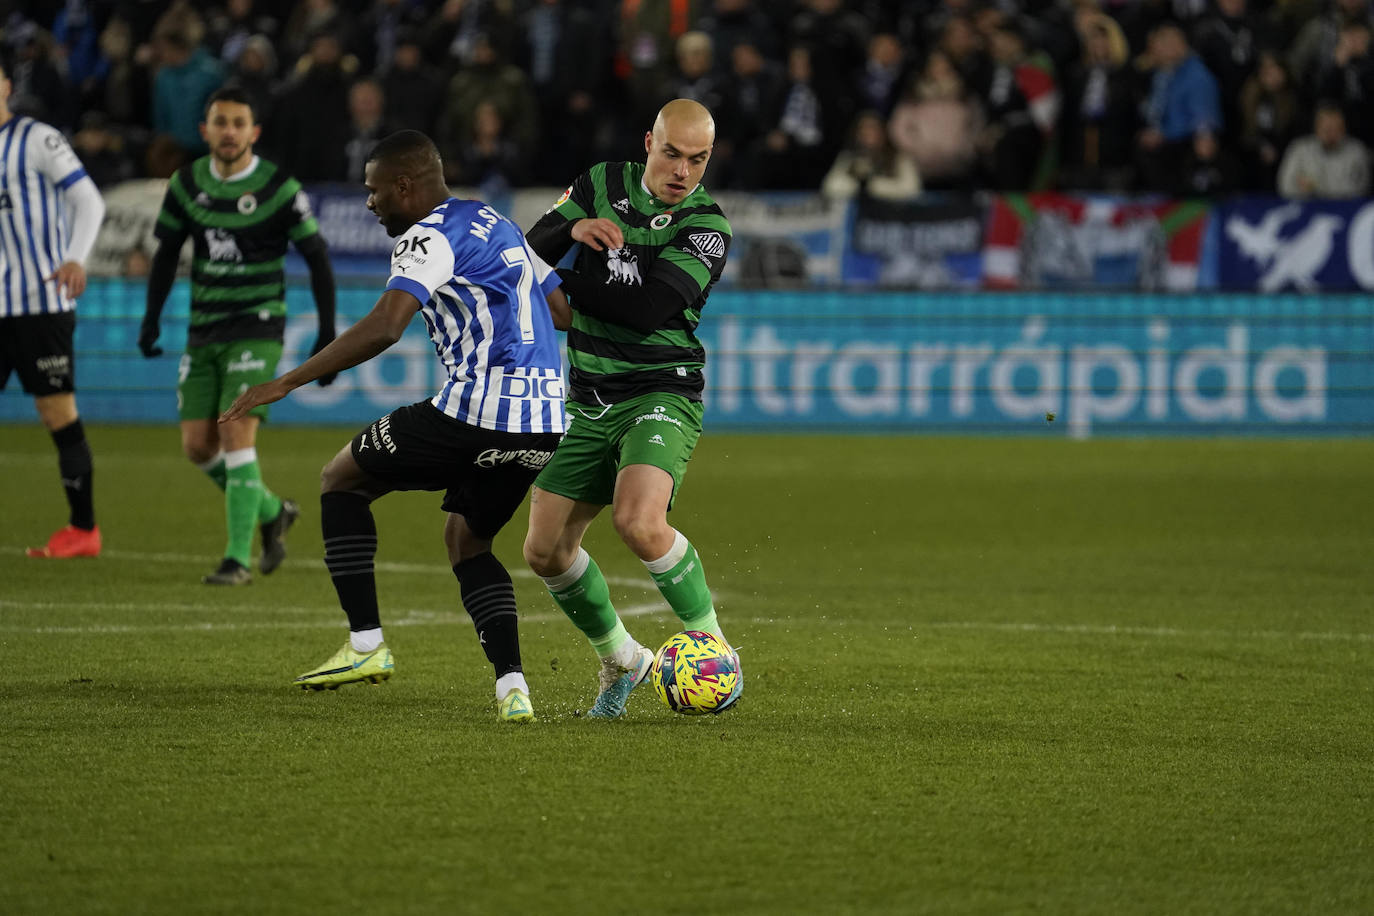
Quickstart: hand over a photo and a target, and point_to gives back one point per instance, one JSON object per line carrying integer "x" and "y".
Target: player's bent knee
{"x": 545, "y": 559}
{"x": 643, "y": 534}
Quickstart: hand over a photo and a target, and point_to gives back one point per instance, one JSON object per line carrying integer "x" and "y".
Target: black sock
{"x": 74, "y": 463}
{"x": 350, "y": 545}
{"x": 489, "y": 599}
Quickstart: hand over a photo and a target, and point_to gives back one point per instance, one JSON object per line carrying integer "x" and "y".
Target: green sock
{"x": 242, "y": 495}
{"x": 682, "y": 582}
{"x": 583, "y": 595}
{"x": 270, "y": 505}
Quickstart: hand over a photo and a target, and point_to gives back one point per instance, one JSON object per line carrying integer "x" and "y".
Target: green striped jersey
{"x": 684, "y": 245}
{"x": 239, "y": 230}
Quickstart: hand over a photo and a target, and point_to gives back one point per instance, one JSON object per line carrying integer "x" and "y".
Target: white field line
{"x": 1158, "y": 632}
{"x": 395, "y": 617}
{"x": 387, "y": 567}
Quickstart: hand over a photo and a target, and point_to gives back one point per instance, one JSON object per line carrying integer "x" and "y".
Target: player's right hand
{"x": 598, "y": 234}
{"x": 147, "y": 340}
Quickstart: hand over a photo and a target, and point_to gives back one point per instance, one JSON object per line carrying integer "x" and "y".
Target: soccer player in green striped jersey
{"x": 239, "y": 211}
{"x": 653, "y": 242}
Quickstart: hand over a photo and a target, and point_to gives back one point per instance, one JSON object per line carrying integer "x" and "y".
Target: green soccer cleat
{"x": 349, "y": 667}
{"x": 516, "y": 707}
{"x": 274, "y": 536}
{"x": 616, "y": 683}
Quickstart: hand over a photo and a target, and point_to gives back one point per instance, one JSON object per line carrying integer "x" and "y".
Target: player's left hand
{"x": 71, "y": 279}
{"x": 321, "y": 342}
{"x": 266, "y": 393}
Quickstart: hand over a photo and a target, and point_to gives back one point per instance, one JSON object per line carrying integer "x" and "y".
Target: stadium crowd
{"x": 1184, "y": 97}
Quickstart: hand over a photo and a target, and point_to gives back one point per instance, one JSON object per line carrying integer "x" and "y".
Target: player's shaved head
{"x": 685, "y": 117}
{"x": 677, "y": 150}
{"x": 409, "y": 153}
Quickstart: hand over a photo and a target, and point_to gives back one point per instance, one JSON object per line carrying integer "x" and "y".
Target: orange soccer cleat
{"x": 70, "y": 541}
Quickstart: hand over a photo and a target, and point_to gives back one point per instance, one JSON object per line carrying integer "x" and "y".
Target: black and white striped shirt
{"x": 39, "y": 172}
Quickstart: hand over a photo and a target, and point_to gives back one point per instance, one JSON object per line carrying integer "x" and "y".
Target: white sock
{"x": 209, "y": 466}
{"x": 571, "y": 574}
{"x": 508, "y": 682}
{"x": 239, "y": 457}
{"x": 671, "y": 558}
{"x": 365, "y": 641}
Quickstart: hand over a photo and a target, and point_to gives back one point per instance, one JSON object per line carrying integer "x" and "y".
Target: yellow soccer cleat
{"x": 516, "y": 707}
{"x": 349, "y": 667}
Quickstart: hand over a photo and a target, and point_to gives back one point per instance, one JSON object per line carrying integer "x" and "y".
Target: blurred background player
{"x": 490, "y": 305}
{"x": 653, "y": 243}
{"x": 239, "y": 211}
{"x": 50, "y": 212}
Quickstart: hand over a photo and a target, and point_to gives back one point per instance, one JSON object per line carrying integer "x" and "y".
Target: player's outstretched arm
{"x": 374, "y": 332}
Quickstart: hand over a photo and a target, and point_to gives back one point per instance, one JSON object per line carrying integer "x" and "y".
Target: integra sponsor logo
{"x": 525, "y": 457}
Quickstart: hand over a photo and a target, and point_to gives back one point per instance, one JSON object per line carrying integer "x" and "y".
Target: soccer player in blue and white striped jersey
{"x": 50, "y": 212}
{"x": 491, "y": 305}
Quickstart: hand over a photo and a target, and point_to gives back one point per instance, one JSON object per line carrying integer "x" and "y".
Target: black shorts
{"x": 485, "y": 473}
{"x": 39, "y": 348}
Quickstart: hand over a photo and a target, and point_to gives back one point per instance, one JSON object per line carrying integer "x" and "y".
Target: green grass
{"x": 984, "y": 676}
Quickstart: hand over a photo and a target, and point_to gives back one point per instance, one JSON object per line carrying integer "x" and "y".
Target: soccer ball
{"x": 694, "y": 673}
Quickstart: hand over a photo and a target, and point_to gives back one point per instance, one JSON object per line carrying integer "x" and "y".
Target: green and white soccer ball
{"x": 694, "y": 673}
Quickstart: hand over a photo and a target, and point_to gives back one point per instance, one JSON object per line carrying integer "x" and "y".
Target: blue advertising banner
{"x": 1272, "y": 245}
{"x": 906, "y": 362}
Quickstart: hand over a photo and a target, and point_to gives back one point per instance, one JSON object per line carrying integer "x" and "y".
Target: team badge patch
{"x": 564, "y": 198}
{"x": 247, "y": 204}
{"x": 660, "y": 221}
{"x": 711, "y": 244}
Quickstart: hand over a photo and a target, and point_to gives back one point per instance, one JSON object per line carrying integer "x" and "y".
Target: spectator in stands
{"x": 308, "y": 19}
{"x": 837, "y": 40}
{"x": 491, "y": 162}
{"x": 793, "y": 151}
{"x": 487, "y": 78}
{"x": 186, "y": 76}
{"x": 694, "y": 76}
{"x": 884, "y": 75}
{"x": 1269, "y": 121}
{"x": 937, "y": 124}
{"x": 229, "y": 27}
{"x": 1209, "y": 169}
{"x": 76, "y": 43}
{"x": 37, "y": 87}
{"x": 1100, "y": 114}
{"x": 310, "y": 128}
{"x": 965, "y": 48}
{"x": 733, "y": 22}
{"x": 366, "y": 114}
{"x": 125, "y": 94}
{"x": 1348, "y": 78}
{"x": 870, "y": 164}
{"x": 1183, "y": 103}
{"x": 1228, "y": 42}
{"x": 255, "y": 71}
{"x": 565, "y": 50}
{"x": 753, "y": 96}
{"x": 104, "y": 150}
{"x": 1326, "y": 164}
{"x": 412, "y": 85}
{"x": 1022, "y": 102}
{"x": 1316, "y": 42}
{"x": 379, "y": 30}
{"x": 649, "y": 30}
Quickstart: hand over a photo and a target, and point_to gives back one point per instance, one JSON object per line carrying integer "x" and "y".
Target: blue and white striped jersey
{"x": 482, "y": 293}
{"x": 36, "y": 165}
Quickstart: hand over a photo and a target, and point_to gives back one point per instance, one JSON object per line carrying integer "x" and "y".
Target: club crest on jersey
{"x": 247, "y": 204}
{"x": 661, "y": 221}
{"x": 622, "y": 266}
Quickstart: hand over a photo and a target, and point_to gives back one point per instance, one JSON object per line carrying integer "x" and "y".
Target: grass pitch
{"x": 983, "y": 676}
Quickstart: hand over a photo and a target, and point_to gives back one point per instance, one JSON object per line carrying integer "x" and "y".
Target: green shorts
{"x": 655, "y": 429}
{"x": 211, "y": 376}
